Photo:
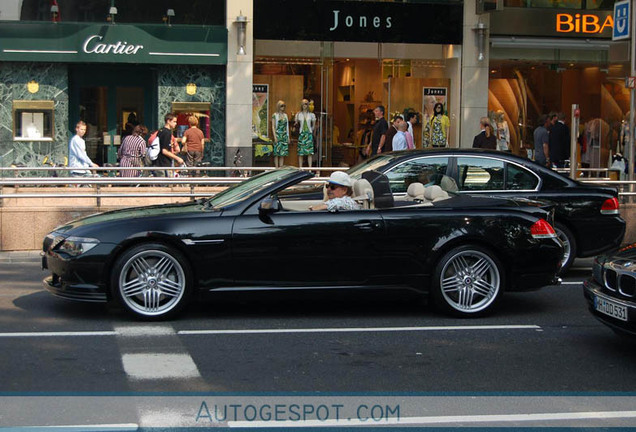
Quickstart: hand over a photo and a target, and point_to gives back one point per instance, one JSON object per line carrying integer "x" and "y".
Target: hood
{"x": 137, "y": 213}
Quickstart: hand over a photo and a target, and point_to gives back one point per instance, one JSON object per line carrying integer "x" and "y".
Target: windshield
{"x": 369, "y": 165}
{"x": 249, "y": 187}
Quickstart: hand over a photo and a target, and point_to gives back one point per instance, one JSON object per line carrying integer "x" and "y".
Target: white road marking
{"x": 159, "y": 366}
{"x": 58, "y": 334}
{"x": 87, "y": 428}
{"x": 463, "y": 420}
{"x": 142, "y": 331}
{"x": 572, "y": 283}
{"x": 136, "y": 331}
{"x": 360, "y": 329}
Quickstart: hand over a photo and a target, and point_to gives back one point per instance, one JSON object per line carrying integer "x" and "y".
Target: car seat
{"x": 415, "y": 192}
{"x": 435, "y": 193}
{"x": 363, "y": 193}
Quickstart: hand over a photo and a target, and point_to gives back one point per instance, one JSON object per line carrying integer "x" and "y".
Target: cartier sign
{"x": 94, "y": 45}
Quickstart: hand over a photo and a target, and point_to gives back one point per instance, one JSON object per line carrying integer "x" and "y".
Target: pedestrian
{"x": 77, "y": 156}
{"x": 400, "y": 140}
{"x": 387, "y": 144}
{"x": 379, "y": 129}
{"x": 411, "y": 120}
{"x": 541, "y": 141}
{"x": 485, "y": 138}
{"x": 132, "y": 151}
{"x": 559, "y": 141}
{"x": 193, "y": 143}
{"x": 166, "y": 155}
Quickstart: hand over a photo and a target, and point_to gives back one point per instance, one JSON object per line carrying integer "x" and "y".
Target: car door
{"x": 305, "y": 248}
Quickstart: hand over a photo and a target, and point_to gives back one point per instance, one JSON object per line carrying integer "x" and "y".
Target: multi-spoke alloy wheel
{"x": 569, "y": 246}
{"x": 468, "y": 281}
{"x": 151, "y": 281}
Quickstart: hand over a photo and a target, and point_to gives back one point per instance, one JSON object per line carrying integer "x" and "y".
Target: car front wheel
{"x": 468, "y": 282}
{"x": 151, "y": 281}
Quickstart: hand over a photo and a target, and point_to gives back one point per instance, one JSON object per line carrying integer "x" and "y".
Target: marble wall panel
{"x": 210, "y": 81}
{"x": 53, "y": 85}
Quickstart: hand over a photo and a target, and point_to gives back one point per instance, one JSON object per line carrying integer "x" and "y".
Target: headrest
{"x": 362, "y": 188}
{"x": 434, "y": 193}
{"x": 416, "y": 190}
{"x": 448, "y": 184}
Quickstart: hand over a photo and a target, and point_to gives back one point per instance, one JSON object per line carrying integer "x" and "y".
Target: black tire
{"x": 152, "y": 281}
{"x": 468, "y": 282}
{"x": 569, "y": 246}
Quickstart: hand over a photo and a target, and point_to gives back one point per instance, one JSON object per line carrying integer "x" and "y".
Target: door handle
{"x": 365, "y": 226}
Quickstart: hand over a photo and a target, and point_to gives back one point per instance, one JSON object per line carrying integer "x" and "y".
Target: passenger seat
{"x": 363, "y": 193}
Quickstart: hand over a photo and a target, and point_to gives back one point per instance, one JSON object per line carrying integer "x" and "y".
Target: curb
{"x": 13, "y": 257}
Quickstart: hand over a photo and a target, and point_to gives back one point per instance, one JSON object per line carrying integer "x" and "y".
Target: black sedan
{"x": 465, "y": 251}
{"x": 611, "y": 292}
{"x": 579, "y": 209}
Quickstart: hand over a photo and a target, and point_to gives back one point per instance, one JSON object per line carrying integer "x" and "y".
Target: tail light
{"x": 542, "y": 229}
{"x": 610, "y": 206}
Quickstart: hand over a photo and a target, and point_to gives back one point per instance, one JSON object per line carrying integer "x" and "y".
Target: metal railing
{"x": 98, "y": 186}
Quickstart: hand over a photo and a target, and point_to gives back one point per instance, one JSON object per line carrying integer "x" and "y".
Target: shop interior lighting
{"x": 515, "y": 42}
{"x": 241, "y": 33}
{"x": 169, "y": 14}
{"x": 55, "y": 10}
{"x": 112, "y": 12}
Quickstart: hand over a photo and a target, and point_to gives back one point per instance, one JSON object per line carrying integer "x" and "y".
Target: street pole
{"x": 574, "y": 134}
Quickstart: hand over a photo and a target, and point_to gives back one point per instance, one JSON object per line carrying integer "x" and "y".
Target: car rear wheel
{"x": 151, "y": 281}
{"x": 468, "y": 282}
{"x": 569, "y": 246}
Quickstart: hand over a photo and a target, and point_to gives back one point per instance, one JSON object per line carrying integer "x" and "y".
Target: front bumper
{"x": 593, "y": 292}
{"x": 82, "y": 292}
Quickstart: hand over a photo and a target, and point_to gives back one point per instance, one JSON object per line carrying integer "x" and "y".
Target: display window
{"x": 521, "y": 93}
{"x": 342, "y": 94}
{"x": 33, "y": 120}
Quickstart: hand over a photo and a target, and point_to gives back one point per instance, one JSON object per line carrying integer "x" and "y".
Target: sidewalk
{"x": 13, "y": 257}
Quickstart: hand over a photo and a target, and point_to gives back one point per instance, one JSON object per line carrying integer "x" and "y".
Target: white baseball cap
{"x": 340, "y": 178}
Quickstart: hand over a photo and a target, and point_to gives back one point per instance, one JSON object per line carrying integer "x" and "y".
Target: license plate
{"x": 610, "y": 308}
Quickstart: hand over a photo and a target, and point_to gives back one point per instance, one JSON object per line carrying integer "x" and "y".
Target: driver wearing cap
{"x": 339, "y": 190}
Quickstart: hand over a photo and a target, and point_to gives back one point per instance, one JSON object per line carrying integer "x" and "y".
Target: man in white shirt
{"x": 411, "y": 120}
{"x": 399, "y": 140}
{"x": 77, "y": 157}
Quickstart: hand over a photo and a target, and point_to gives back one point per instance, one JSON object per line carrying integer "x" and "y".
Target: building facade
{"x": 546, "y": 56}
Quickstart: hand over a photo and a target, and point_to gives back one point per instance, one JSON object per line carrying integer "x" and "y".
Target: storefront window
{"x": 33, "y": 120}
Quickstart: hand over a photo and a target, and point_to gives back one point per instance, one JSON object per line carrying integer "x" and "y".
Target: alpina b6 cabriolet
{"x": 462, "y": 251}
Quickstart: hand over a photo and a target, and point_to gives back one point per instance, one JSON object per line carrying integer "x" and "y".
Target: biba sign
{"x": 583, "y": 23}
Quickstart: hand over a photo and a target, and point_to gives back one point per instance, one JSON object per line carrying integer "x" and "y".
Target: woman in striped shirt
{"x": 132, "y": 151}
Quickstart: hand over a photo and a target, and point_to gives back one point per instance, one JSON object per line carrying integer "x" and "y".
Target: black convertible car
{"x": 611, "y": 292}
{"x": 465, "y": 251}
{"x": 579, "y": 209}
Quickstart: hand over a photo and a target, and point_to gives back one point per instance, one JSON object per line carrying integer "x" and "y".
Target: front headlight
{"x": 75, "y": 246}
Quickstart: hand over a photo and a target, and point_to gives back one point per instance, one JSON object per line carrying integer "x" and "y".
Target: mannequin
{"x": 503, "y": 133}
{"x": 280, "y": 126}
{"x": 306, "y": 123}
{"x": 439, "y": 126}
{"x": 427, "y": 115}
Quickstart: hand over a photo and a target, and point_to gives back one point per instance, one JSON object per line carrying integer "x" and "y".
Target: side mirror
{"x": 269, "y": 205}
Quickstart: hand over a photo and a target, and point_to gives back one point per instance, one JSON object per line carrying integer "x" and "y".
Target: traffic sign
{"x": 621, "y": 20}
{"x": 630, "y": 82}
